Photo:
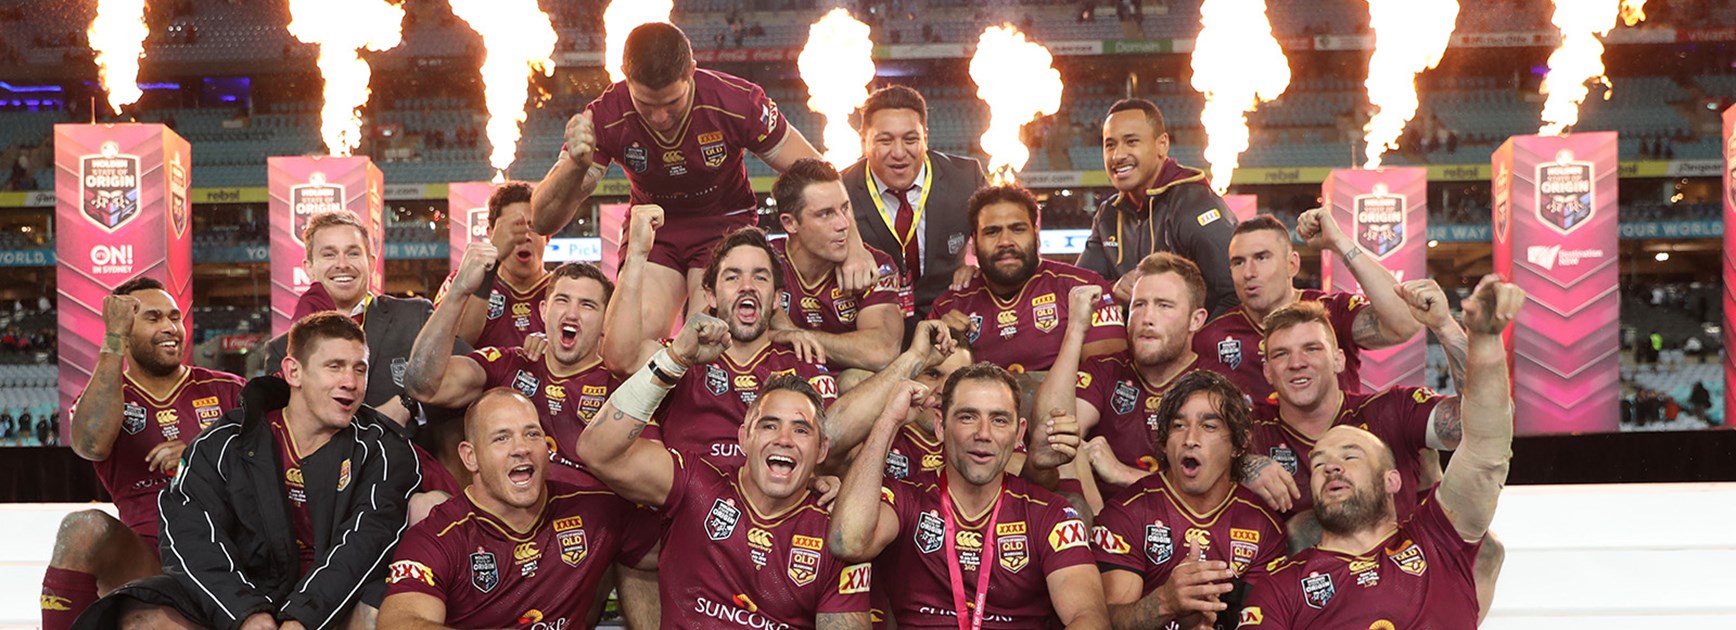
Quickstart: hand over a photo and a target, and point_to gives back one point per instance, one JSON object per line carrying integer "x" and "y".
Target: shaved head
{"x": 498, "y": 402}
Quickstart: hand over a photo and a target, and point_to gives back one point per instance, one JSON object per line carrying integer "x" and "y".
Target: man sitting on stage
{"x": 132, "y": 422}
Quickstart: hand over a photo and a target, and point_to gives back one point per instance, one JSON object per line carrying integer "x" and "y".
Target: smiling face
{"x": 1161, "y": 319}
{"x": 573, "y": 313}
{"x": 505, "y": 450}
{"x": 981, "y": 428}
{"x": 1263, "y": 268}
{"x": 1302, "y": 364}
{"x": 1199, "y": 446}
{"x": 1006, "y": 243}
{"x": 330, "y": 384}
{"x": 1133, "y": 150}
{"x": 744, "y": 283}
{"x": 159, "y": 338}
{"x": 822, "y": 226}
{"x": 782, "y": 441}
{"x": 338, "y": 259}
{"x": 1352, "y": 479}
{"x": 895, "y": 143}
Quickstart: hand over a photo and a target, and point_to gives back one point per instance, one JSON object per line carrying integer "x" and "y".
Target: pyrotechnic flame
{"x": 342, "y": 29}
{"x": 621, "y": 18}
{"x": 1579, "y": 59}
{"x": 117, "y": 36}
{"x": 517, "y": 41}
{"x": 1237, "y": 64}
{"x": 1015, "y": 79}
{"x": 838, "y": 64}
{"x": 1409, "y": 37}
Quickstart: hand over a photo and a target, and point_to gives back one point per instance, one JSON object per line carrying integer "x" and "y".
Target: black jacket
{"x": 946, "y": 234}
{"x": 1181, "y": 216}
{"x": 226, "y": 533}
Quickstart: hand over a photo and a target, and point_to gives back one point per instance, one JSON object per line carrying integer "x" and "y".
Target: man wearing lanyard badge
{"x": 972, "y": 523}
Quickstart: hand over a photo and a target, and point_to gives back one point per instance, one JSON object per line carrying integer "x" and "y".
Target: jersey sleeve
{"x": 1343, "y": 308}
{"x": 1268, "y": 606}
{"x": 845, "y": 587}
{"x": 1107, "y": 323}
{"x": 420, "y": 565}
{"x": 1065, "y": 541}
{"x": 1096, "y": 383}
{"x": 495, "y": 363}
{"x": 1109, "y": 546}
{"x": 1408, "y": 410}
{"x": 640, "y": 533}
{"x": 902, "y": 496}
{"x": 762, "y": 127}
{"x": 680, "y": 483}
{"x": 890, "y": 288}
{"x": 1430, "y": 521}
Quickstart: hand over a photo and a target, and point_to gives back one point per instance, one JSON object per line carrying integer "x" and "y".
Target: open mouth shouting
{"x": 747, "y": 309}
{"x": 1189, "y": 466}
{"x": 782, "y": 467}
{"x": 521, "y": 475}
{"x": 569, "y": 336}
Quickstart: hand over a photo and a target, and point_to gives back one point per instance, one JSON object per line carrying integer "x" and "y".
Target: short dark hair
{"x": 506, "y": 195}
{"x": 582, "y": 270}
{"x": 894, "y": 97}
{"x": 1153, "y": 115}
{"x": 320, "y": 326}
{"x": 742, "y": 237}
{"x": 1166, "y": 262}
{"x": 656, "y": 55}
{"x": 1260, "y": 222}
{"x": 137, "y": 284}
{"x": 1296, "y": 314}
{"x": 1009, "y": 193}
{"x": 334, "y": 218}
{"x": 790, "y": 190}
{"x": 1231, "y": 404}
{"x": 979, "y": 371}
{"x": 799, "y": 385}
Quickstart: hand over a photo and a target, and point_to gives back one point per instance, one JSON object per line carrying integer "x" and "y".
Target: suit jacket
{"x": 947, "y": 229}
{"x": 391, "y": 325}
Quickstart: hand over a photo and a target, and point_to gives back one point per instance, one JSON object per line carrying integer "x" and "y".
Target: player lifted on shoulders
{"x": 132, "y": 422}
{"x": 1263, "y": 267}
{"x": 1371, "y": 568}
{"x": 755, "y": 529}
{"x": 679, "y": 132}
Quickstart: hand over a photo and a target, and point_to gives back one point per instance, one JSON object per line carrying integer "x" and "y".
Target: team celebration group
{"x": 897, "y": 415}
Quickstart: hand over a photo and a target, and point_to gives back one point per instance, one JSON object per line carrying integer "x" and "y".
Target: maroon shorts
{"x": 686, "y": 242}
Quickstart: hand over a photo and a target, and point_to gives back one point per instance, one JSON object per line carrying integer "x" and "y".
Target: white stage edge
{"x": 1589, "y": 557}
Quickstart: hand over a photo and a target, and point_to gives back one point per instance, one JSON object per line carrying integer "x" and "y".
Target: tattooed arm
{"x": 1274, "y": 484}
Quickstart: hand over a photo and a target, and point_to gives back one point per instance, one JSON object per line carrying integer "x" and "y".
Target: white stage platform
{"x": 1590, "y": 557}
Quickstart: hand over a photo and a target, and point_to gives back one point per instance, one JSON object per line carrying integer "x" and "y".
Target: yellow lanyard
{"x": 916, "y": 212}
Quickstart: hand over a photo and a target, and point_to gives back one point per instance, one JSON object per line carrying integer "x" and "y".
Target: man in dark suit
{"x": 910, "y": 201}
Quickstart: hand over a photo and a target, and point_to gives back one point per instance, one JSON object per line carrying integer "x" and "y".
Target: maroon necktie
{"x": 901, "y": 226}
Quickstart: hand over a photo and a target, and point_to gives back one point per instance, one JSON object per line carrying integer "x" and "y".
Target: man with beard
{"x": 568, "y": 383}
{"x": 850, "y": 330}
{"x": 1115, "y": 396}
{"x": 286, "y": 509}
{"x": 1372, "y": 567}
{"x": 733, "y": 520}
{"x": 679, "y": 133}
{"x": 1024, "y": 293}
{"x": 508, "y": 304}
{"x": 973, "y": 541}
{"x": 1160, "y": 206}
{"x": 905, "y": 195}
{"x": 516, "y": 549}
{"x": 1191, "y": 503}
{"x": 132, "y": 422}
{"x": 1264, "y": 268}
{"x": 709, "y": 401}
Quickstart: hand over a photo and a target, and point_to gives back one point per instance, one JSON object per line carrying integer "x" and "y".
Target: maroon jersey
{"x": 1398, "y": 416}
{"x": 1025, "y": 332}
{"x": 759, "y": 570}
{"x": 913, "y": 455}
{"x": 818, "y": 303}
{"x": 1234, "y": 344}
{"x": 198, "y": 399}
{"x": 1419, "y": 577}
{"x": 300, "y": 519}
{"x": 1146, "y": 529}
{"x": 700, "y": 171}
{"x": 1035, "y": 534}
{"x": 512, "y": 314}
{"x": 565, "y": 405}
{"x": 1126, "y": 405}
{"x": 703, "y": 411}
{"x": 492, "y": 576}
